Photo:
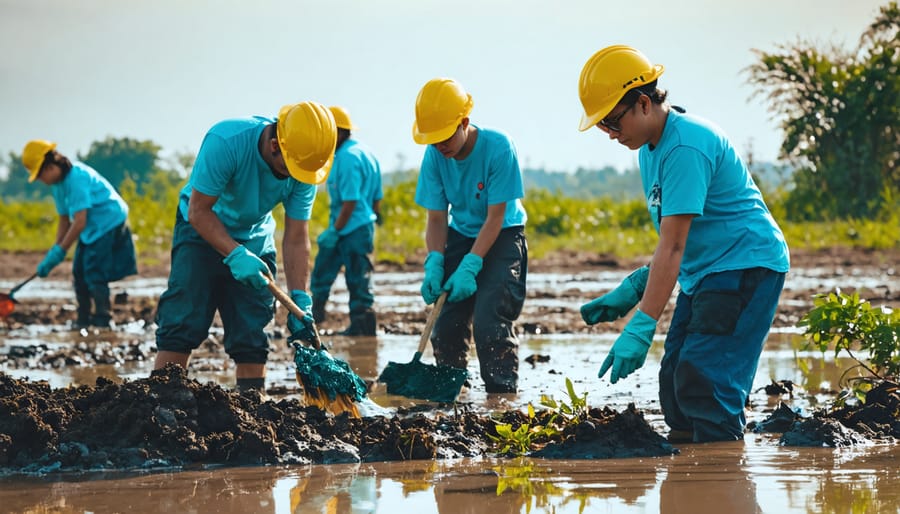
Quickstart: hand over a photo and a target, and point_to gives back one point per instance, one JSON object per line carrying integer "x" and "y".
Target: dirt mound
{"x": 170, "y": 421}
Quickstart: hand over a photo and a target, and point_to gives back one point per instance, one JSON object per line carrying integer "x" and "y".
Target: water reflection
{"x": 752, "y": 476}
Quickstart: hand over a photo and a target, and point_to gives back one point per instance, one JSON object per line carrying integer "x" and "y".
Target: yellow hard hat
{"x": 342, "y": 118}
{"x": 607, "y": 76}
{"x": 307, "y": 136}
{"x": 441, "y": 104}
{"x": 33, "y": 156}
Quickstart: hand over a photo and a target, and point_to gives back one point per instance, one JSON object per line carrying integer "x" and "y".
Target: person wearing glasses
{"x": 717, "y": 240}
{"x": 92, "y": 214}
{"x": 471, "y": 185}
{"x": 223, "y": 243}
{"x": 354, "y": 190}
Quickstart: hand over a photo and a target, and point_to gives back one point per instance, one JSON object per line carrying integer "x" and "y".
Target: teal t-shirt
{"x": 230, "y": 167}
{"x": 85, "y": 189}
{"x": 489, "y": 175}
{"x": 355, "y": 176}
{"x": 695, "y": 170}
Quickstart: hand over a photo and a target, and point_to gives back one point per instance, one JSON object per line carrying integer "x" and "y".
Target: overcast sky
{"x": 165, "y": 70}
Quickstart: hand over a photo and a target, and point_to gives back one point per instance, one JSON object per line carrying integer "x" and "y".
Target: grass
{"x": 555, "y": 222}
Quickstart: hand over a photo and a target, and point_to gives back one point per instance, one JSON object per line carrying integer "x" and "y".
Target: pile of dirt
{"x": 170, "y": 421}
{"x": 876, "y": 419}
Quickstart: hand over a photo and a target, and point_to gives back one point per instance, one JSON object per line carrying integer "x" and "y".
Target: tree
{"x": 839, "y": 114}
{"x": 121, "y": 158}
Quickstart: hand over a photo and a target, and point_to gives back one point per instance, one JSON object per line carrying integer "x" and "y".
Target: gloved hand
{"x": 434, "y": 276}
{"x": 461, "y": 283}
{"x": 616, "y": 303}
{"x": 305, "y": 328}
{"x": 54, "y": 256}
{"x": 328, "y": 238}
{"x": 630, "y": 350}
{"x": 247, "y": 268}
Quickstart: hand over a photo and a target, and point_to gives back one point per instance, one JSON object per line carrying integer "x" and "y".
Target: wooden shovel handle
{"x": 429, "y": 325}
{"x": 286, "y": 300}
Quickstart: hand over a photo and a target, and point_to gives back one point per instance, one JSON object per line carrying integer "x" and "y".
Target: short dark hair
{"x": 54, "y": 157}
{"x": 650, "y": 89}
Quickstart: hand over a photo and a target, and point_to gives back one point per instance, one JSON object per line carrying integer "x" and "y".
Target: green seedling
{"x": 850, "y": 324}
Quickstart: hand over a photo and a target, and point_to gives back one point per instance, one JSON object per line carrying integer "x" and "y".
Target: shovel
{"x": 7, "y": 302}
{"x": 328, "y": 383}
{"x": 435, "y": 383}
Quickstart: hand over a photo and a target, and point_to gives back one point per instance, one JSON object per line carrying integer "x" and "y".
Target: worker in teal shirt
{"x": 471, "y": 184}
{"x": 92, "y": 213}
{"x": 354, "y": 190}
{"x": 223, "y": 246}
{"x": 717, "y": 239}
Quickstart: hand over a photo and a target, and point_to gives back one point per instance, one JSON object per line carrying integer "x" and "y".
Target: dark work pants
{"x": 200, "y": 284}
{"x": 352, "y": 253}
{"x": 712, "y": 351}
{"x": 489, "y": 314}
{"x": 111, "y": 257}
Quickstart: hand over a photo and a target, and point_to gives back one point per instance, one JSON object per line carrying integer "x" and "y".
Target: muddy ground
{"x": 168, "y": 420}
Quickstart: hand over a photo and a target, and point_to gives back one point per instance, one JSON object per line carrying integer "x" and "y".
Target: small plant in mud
{"x": 540, "y": 428}
{"x": 849, "y": 323}
{"x": 572, "y": 412}
{"x": 526, "y": 437}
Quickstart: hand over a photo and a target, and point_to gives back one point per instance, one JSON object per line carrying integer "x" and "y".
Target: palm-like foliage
{"x": 839, "y": 112}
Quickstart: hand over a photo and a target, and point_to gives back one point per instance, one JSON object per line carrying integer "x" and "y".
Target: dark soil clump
{"x": 878, "y": 419}
{"x": 170, "y": 421}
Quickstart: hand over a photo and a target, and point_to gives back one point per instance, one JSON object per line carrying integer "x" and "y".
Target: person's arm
{"x": 436, "y": 231}
{"x": 376, "y": 208}
{"x": 344, "y": 216}
{"x": 296, "y": 249}
{"x": 68, "y": 231}
{"x": 61, "y": 229}
{"x": 489, "y": 230}
{"x": 208, "y": 224}
{"x": 673, "y": 232}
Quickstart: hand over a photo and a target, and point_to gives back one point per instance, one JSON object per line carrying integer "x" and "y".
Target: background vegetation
{"x": 838, "y": 185}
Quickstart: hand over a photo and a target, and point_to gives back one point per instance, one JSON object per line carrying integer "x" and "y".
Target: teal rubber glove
{"x": 616, "y": 303}
{"x": 305, "y": 328}
{"x": 53, "y": 258}
{"x": 461, "y": 283}
{"x": 248, "y": 269}
{"x": 630, "y": 350}
{"x": 434, "y": 277}
{"x": 328, "y": 238}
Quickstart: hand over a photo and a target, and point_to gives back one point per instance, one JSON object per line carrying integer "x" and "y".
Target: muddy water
{"x": 742, "y": 477}
{"x": 754, "y": 476}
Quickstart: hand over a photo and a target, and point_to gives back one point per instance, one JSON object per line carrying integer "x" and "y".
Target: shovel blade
{"x": 423, "y": 381}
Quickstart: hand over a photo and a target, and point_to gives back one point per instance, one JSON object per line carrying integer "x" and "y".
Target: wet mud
{"x": 877, "y": 419}
{"x": 170, "y": 421}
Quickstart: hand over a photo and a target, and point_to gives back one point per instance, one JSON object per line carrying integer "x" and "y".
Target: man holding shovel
{"x": 354, "y": 188}
{"x": 223, "y": 245}
{"x": 471, "y": 184}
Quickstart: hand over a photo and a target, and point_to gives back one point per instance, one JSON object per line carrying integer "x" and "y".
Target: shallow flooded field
{"x": 756, "y": 475}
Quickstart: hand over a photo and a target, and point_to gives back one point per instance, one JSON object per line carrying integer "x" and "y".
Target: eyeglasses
{"x": 612, "y": 124}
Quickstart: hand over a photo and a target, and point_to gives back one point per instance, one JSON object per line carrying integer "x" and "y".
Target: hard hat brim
{"x": 313, "y": 177}
{"x": 434, "y": 137}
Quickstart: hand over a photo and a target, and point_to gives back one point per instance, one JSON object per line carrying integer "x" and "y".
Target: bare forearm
{"x": 211, "y": 229}
{"x": 344, "y": 215}
{"x": 61, "y": 229}
{"x": 487, "y": 235}
{"x": 296, "y": 251}
{"x": 74, "y": 230}
{"x": 436, "y": 232}
{"x": 665, "y": 264}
